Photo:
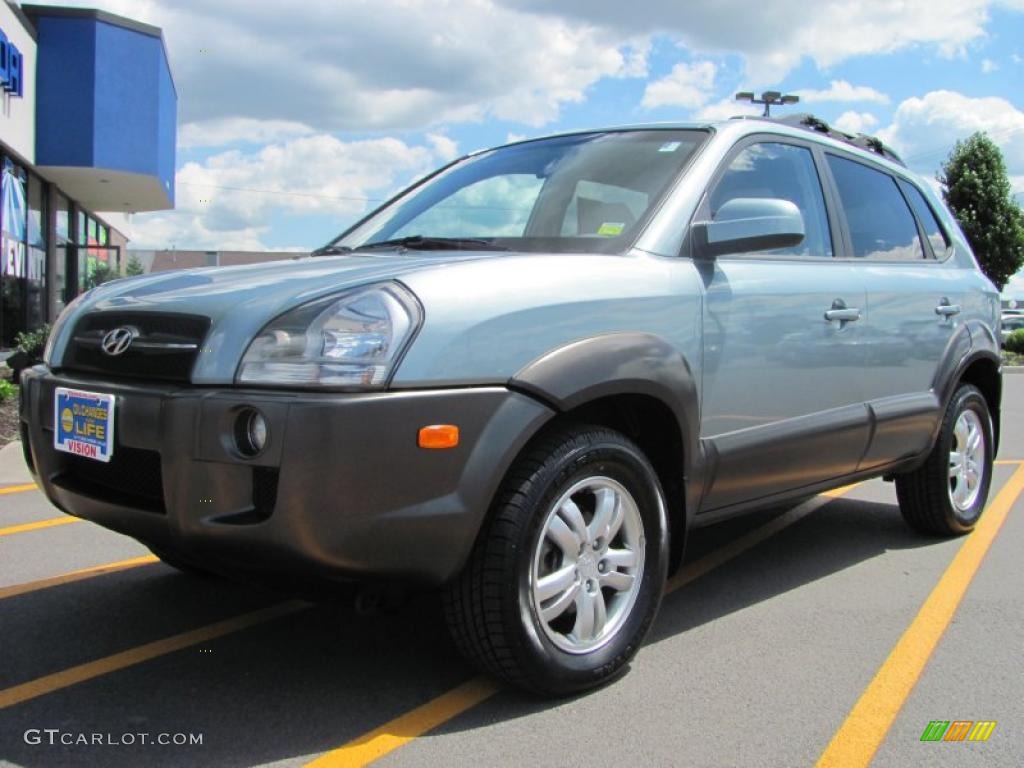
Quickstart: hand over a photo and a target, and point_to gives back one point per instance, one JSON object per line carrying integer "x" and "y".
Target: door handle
{"x": 945, "y": 309}
{"x": 841, "y": 313}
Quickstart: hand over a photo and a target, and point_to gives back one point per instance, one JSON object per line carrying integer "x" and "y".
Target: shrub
{"x": 1015, "y": 342}
{"x": 32, "y": 343}
{"x": 7, "y": 391}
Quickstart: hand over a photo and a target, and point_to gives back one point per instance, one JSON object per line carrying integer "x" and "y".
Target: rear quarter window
{"x": 929, "y": 222}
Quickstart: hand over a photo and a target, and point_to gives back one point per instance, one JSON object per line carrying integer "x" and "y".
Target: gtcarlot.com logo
{"x": 958, "y": 730}
{"x": 55, "y": 736}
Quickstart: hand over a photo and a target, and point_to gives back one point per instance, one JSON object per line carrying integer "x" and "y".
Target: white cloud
{"x": 925, "y": 129}
{"x": 227, "y": 201}
{"x": 445, "y": 149}
{"x": 841, "y": 90}
{"x": 856, "y": 122}
{"x": 726, "y": 108}
{"x": 231, "y": 130}
{"x": 687, "y": 85}
{"x": 1016, "y": 58}
{"x": 412, "y": 64}
{"x": 775, "y": 36}
{"x": 385, "y": 65}
{"x": 988, "y": 66}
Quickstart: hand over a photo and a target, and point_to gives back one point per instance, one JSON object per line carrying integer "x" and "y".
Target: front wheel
{"x": 947, "y": 494}
{"x": 566, "y": 578}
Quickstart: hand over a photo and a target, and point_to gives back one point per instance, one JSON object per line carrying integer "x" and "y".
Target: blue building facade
{"x": 88, "y": 127}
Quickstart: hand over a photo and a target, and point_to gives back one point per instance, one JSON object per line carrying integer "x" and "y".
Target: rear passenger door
{"x": 782, "y": 404}
{"x": 913, "y": 302}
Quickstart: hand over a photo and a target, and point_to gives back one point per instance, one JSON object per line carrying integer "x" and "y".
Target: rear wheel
{"x": 947, "y": 494}
{"x": 566, "y": 579}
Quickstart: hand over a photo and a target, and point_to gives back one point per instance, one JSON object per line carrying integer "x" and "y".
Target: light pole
{"x": 769, "y": 99}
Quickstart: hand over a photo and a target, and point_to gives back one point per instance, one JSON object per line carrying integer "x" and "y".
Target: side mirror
{"x": 746, "y": 224}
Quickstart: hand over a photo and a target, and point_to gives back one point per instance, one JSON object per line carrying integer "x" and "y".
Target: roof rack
{"x": 816, "y": 125}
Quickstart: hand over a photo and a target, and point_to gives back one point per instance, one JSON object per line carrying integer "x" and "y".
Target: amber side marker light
{"x": 439, "y": 436}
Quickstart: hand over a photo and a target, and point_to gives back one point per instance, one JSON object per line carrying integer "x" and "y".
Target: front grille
{"x": 132, "y": 478}
{"x": 164, "y": 347}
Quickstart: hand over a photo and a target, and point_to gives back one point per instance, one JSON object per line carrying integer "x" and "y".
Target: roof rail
{"x": 816, "y": 125}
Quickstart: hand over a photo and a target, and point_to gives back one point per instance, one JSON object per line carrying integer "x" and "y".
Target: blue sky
{"x": 364, "y": 97}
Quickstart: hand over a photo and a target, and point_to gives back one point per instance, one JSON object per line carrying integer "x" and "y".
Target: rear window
{"x": 880, "y": 223}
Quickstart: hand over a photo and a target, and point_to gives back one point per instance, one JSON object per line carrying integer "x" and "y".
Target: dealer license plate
{"x": 83, "y": 423}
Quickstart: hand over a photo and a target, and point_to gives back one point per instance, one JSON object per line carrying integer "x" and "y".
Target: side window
{"x": 785, "y": 172}
{"x": 881, "y": 225}
{"x": 925, "y": 214}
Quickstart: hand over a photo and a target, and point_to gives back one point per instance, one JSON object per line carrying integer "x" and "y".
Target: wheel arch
{"x": 973, "y": 357}
{"x": 642, "y": 386}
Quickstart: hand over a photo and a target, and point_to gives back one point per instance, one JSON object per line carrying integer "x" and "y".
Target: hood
{"x": 240, "y": 301}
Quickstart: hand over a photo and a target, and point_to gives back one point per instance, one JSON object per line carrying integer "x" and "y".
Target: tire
{"x": 523, "y": 564}
{"x": 932, "y": 498}
{"x": 180, "y": 564}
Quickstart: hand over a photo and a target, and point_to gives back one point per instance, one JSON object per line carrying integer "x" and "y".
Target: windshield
{"x": 587, "y": 192}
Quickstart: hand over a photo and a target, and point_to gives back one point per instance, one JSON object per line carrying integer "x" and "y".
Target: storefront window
{"x": 63, "y": 228}
{"x": 35, "y": 272}
{"x": 13, "y": 225}
{"x": 63, "y": 237}
{"x": 36, "y": 219}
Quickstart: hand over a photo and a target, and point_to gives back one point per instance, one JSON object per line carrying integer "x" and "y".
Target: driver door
{"x": 783, "y": 406}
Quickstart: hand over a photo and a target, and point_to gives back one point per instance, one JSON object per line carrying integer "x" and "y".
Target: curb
{"x": 12, "y": 465}
{"x": 1013, "y": 369}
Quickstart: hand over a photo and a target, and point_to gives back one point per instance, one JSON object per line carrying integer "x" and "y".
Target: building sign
{"x": 12, "y": 67}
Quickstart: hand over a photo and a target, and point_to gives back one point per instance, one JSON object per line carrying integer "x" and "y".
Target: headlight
{"x": 348, "y": 341}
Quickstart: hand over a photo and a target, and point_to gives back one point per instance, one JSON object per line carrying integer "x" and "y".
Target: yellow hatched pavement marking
{"x": 73, "y": 576}
{"x": 24, "y": 487}
{"x": 855, "y": 743}
{"x": 39, "y": 525}
{"x": 405, "y": 728}
{"x": 78, "y": 674}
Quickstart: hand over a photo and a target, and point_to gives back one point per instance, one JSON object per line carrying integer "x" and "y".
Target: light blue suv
{"x": 527, "y": 377}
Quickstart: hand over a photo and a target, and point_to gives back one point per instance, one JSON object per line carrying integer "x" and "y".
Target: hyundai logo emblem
{"x": 117, "y": 341}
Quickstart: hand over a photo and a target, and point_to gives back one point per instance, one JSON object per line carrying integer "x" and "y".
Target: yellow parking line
{"x": 17, "y": 488}
{"x": 400, "y": 731}
{"x": 396, "y": 733}
{"x": 38, "y": 525}
{"x": 859, "y": 737}
{"x": 73, "y": 576}
{"x": 1009, "y": 461}
{"x": 79, "y": 674}
{"x": 736, "y": 547}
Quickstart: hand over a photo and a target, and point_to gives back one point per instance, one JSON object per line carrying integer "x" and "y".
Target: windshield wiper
{"x": 422, "y": 243}
{"x": 330, "y": 250}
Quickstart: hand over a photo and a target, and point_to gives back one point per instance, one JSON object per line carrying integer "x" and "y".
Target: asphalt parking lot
{"x": 829, "y": 631}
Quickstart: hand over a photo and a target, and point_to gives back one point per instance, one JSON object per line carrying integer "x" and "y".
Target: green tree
{"x": 134, "y": 266}
{"x": 97, "y": 274}
{"x": 977, "y": 191}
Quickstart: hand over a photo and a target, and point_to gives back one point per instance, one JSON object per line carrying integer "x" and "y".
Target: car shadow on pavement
{"x": 302, "y": 685}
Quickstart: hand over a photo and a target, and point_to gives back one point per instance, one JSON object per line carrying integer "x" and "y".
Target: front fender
{"x": 624, "y": 364}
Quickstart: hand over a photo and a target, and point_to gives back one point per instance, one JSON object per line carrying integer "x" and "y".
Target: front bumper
{"x": 341, "y": 492}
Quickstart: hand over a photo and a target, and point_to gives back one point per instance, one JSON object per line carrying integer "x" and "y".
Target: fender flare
{"x": 630, "y": 363}
{"x": 973, "y": 342}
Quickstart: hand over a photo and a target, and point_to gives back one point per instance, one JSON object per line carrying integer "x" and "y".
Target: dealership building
{"x": 88, "y": 115}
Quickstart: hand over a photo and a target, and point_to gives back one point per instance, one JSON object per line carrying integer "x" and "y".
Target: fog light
{"x": 251, "y": 432}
